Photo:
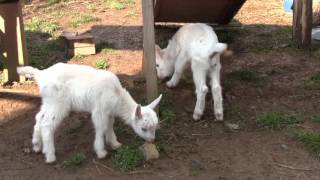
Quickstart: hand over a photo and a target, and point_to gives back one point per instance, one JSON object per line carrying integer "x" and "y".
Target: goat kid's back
{"x": 82, "y": 87}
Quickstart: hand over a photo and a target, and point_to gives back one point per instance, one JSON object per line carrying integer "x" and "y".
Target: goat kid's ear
{"x": 138, "y": 114}
{"x": 155, "y": 102}
{"x": 220, "y": 47}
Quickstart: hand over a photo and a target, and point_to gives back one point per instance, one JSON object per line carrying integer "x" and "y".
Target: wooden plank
{"x": 206, "y": 11}
{"x": 13, "y": 49}
{"x": 89, "y": 50}
{"x": 306, "y": 23}
{"x": 296, "y": 29}
{"x": 302, "y": 23}
{"x": 149, "y": 50}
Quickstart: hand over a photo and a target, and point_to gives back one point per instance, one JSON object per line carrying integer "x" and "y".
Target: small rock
{"x": 149, "y": 151}
{"x": 283, "y": 146}
{"x": 27, "y": 150}
{"x": 232, "y": 126}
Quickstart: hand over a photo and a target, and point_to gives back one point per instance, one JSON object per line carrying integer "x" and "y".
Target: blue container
{"x": 287, "y": 5}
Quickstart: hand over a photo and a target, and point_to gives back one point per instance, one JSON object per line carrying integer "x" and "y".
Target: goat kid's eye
{"x": 144, "y": 129}
{"x": 157, "y": 65}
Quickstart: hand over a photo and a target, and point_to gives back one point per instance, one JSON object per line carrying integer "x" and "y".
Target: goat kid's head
{"x": 165, "y": 59}
{"x": 146, "y": 121}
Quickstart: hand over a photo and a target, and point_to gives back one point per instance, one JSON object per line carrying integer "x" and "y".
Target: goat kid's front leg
{"x": 111, "y": 137}
{"x": 178, "y": 70}
{"x": 100, "y": 125}
{"x": 217, "y": 92}
{"x": 199, "y": 78}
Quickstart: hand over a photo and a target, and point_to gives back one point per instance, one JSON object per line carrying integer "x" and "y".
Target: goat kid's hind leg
{"x": 52, "y": 117}
{"x": 111, "y": 137}
{"x": 100, "y": 125}
{"x": 217, "y": 92}
{"x": 199, "y": 78}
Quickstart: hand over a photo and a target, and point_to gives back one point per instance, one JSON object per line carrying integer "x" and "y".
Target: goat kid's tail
{"x": 28, "y": 71}
{"x": 218, "y": 49}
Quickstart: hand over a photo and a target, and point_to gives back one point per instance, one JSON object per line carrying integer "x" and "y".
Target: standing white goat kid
{"x": 196, "y": 44}
{"x": 66, "y": 87}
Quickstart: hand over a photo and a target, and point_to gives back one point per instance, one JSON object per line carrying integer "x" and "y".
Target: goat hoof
{"x": 196, "y": 116}
{"x": 170, "y": 84}
{"x": 50, "y": 159}
{"x": 102, "y": 154}
{"x": 37, "y": 148}
{"x": 116, "y": 146}
{"x": 219, "y": 117}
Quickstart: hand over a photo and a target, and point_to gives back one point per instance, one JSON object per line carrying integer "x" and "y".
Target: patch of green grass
{"x": 316, "y": 119}
{"x": 77, "y": 21}
{"x": 57, "y": 14}
{"x": 119, "y": 4}
{"x": 310, "y": 140}
{"x": 51, "y": 2}
{"x": 130, "y": 14}
{"x": 277, "y": 120}
{"x": 102, "y": 64}
{"x": 281, "y": 38}
{"x": 245, "y": 75}
{"x": 40, "y": 52}
{"x": 74, "y": 160}
{"x": 127, "y": 158}
{"x": 79, "y": 57}
{"x": 105, "y": 47}
{"x": 167, "y": 116}
{"x": 42, "y": 25}
{"x": 313, "y": 82}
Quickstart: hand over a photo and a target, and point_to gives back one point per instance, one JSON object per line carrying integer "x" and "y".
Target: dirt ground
{"x": 190, "y": 149}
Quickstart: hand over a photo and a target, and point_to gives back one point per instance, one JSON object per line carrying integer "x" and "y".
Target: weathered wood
{"x": 206, "y": 11}
{"x": 302, "y": 23}
{"x": 13, "y": 45}
{"x": 306, "y": 22}
{"x": 78, "y": 44}
{"x": 149, "y": 49}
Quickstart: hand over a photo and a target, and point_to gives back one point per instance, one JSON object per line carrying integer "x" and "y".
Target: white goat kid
{"x": 196, "y": 44}
{"x": 65, "y": 87}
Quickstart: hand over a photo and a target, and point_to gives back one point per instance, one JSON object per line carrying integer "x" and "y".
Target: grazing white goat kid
{"x": 196, "y": 44}
{"x": 66, "y": 87}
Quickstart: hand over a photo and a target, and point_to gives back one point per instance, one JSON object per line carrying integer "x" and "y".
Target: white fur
{"x": 198, "y": 45}
{"x": 66, "y": 87}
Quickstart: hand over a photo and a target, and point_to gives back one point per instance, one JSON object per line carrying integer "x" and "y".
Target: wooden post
{"x": 149, "y": 50}
{"x": 13, "y": 46}
{"x": 302, "y": 23}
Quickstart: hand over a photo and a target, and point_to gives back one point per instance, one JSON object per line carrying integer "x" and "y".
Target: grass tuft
{"x": 102, "y": 64}
{"x": 310, "y": 140}
{"x": 277, "y": 120}
{"x": 105, "y": 47}
{"x": 77, "y": 21}
{"x": 245, "y": 75}
{"x": 119, "y": 4}
{"x": 127, "y": 158}
{"x": 313, "y": 82}
{"x": 42, "y": 25}
{"x": 167, "y": 115}
{"x": 79, "y": 57}
{"x": 316, "y": 119}
{"x": 74, "y": 160}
